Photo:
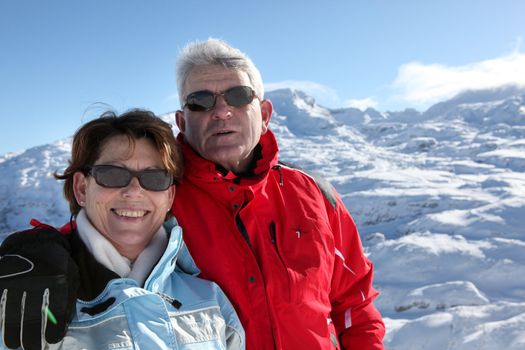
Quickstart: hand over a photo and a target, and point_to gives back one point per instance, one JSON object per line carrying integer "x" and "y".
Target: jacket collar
{"x": 176, "y": 256}
{"x": 198, "y": 168}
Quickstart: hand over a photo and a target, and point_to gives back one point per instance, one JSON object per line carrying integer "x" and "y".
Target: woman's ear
{"x": 79, "y": 188}
{"x": 172, "y": 190}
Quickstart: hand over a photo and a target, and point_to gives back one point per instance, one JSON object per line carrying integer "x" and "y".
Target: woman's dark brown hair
{"x": 136, "y": 124}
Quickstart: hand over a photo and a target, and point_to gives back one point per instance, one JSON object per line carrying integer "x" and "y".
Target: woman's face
{"x": 128, "y": 217}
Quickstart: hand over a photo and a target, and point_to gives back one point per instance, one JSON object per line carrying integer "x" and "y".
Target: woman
{"x": 136, "y": 284}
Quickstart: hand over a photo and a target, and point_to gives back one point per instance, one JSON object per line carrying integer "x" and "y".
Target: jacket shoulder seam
{"x": 324, "y": 185}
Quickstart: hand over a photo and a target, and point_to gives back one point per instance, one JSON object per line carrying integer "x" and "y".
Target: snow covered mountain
{"x": 438, "y": 196}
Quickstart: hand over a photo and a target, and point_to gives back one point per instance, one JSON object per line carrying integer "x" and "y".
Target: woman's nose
{"x": 133, "y": 188}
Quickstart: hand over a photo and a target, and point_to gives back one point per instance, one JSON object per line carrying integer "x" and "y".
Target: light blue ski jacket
{"x": 174, "y": 310}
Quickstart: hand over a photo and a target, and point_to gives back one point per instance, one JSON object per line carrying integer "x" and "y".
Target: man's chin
{"x": 231, "y": 160}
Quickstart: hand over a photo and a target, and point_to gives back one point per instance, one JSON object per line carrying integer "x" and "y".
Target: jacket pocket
{"x": 306, "y": 250}
{"x": 200, "y": 329}
{"x": 110, "y": 333}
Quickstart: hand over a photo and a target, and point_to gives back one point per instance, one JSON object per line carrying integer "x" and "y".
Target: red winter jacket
{"x": 290, "y": 261}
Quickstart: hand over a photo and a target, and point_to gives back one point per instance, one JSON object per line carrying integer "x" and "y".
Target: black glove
{"x": 37, "y": 274}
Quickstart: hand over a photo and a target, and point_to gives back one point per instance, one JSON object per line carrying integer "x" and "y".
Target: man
{"x": 282, "y": 247}
{"x": 285, "y": 251}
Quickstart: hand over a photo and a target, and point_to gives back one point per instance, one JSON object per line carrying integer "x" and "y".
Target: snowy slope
{"x": 439, "y": 198}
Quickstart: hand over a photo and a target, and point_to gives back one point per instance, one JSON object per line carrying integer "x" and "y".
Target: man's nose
{"x": 222, "y": 110}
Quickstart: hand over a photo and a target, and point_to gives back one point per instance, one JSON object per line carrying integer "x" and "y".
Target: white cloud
{"x": 324, "y": 95}
{"x": 425, "y": 84}
{"x": 362, "y": 104}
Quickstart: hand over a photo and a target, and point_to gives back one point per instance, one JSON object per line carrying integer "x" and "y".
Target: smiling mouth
{"x": 130, "y": 213}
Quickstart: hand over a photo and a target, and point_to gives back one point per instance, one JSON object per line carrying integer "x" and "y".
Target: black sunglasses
{"x": 112, "y": 176}
{"x": 203, "y": 101}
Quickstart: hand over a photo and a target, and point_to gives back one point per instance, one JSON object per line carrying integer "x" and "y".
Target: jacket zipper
{"x": 273, "y": 238}
{"x": 242, "y": 230}
{"x": 278, "y": 168}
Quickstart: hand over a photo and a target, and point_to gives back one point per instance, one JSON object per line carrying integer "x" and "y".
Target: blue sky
{"x": 62, "y": 62}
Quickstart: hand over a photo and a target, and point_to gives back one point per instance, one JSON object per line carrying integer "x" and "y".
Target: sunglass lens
{"x": 239, "y": 96}
{"x": 155, "y": 180}
{"x": 200, "y": 101}
{"x": 110, "y": 176}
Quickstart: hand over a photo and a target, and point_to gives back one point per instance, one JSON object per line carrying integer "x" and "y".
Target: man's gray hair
{"x": 215, "y": 52}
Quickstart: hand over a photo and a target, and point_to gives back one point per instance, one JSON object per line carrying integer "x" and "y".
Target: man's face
{"x": 226, "y": 135}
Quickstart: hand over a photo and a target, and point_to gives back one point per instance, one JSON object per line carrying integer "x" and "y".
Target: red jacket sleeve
{"x": 357, "y": 321}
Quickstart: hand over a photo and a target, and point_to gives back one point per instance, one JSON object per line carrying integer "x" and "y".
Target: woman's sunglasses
{"x": 203, "y": 101}
{"x": 112, "y": 176}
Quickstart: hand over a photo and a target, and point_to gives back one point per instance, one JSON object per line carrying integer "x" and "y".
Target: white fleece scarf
{"x": 106, "y": 254}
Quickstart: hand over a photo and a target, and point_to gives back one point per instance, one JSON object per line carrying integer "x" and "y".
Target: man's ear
{"x": 80, "y": 187}
{"x": 266, "y": 114}
{"x": 181, "y": 122}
